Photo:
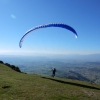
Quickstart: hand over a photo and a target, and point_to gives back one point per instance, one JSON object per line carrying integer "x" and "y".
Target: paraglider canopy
{"x": 48, "y": 25}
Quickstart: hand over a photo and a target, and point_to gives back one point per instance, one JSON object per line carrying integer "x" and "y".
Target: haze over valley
{"x": 80, "y": 67}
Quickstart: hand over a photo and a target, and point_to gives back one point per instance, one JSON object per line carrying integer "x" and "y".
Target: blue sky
{"x": 18, "y": 16}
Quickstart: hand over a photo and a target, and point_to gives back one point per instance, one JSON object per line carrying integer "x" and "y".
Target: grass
{"x": 20, "y": 86}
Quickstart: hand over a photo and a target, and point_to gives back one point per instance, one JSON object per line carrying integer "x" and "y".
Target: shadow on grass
{"x": 4, "y": 87}
{"x": 71, "y": 83}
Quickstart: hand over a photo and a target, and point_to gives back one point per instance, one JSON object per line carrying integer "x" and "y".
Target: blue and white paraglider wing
{"x": 48, "y": 25}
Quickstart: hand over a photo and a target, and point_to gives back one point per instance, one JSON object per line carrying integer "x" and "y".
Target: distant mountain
{"x": 90, "y": 57}
{"x": 61, "y": 57}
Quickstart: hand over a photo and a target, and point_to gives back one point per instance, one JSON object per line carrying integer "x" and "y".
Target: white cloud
{"x": 13, "y": 16}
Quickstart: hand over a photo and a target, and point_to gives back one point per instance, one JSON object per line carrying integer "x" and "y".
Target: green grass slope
{"x": 20, "y": 86}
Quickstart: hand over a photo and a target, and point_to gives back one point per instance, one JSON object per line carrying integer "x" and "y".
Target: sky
{"x": 18, "y": 16}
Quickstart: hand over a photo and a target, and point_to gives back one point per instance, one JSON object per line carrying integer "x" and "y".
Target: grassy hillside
{"x": 20, "y": 86}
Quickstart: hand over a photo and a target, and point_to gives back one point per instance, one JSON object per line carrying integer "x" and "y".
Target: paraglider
{"x": 53, "y": 72}
{"x": 48, "y": 25}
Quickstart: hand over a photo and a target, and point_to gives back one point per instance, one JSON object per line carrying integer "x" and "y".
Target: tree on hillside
{"x": 7, "y": 64}
{"x": 13, "y": 67}
{"x": 1, "y": 62}
{"x": 17, "y": 69}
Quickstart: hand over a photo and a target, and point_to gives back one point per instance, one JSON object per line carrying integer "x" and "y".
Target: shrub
{"x": 1, "y": 62}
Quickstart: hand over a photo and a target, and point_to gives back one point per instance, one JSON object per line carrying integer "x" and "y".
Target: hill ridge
{"x": 14, "y": 85}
